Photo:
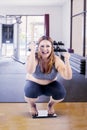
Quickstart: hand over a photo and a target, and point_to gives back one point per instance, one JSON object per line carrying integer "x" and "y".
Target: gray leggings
{"x": 54, "y": 89}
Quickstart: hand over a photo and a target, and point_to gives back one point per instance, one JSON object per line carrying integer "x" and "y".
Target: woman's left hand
{"x": 66, "y": 56}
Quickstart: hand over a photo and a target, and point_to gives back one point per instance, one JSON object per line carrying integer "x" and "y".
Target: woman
{"x": 42, "y": 69}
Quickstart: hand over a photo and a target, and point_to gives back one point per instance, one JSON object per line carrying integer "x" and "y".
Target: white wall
{"x": 66, "y": 24}
{"x": 55, "y": 16}
{"x": 58, "y": 18}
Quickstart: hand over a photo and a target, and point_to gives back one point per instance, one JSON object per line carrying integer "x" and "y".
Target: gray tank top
{"x": 40, "y": 75}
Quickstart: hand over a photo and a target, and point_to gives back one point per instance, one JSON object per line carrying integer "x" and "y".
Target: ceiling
{"x": 32, "y": 2}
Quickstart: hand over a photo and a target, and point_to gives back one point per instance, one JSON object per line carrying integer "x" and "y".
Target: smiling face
{"x": 45, "y": 48}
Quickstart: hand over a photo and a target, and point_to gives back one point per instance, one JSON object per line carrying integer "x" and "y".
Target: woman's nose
{"x": 45, "y": 48}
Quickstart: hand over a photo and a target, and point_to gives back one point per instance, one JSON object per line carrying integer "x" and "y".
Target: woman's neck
{"x": 45, "y": 60}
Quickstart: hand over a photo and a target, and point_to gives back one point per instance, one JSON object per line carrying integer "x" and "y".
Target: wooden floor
{"x": 71, "y": 116}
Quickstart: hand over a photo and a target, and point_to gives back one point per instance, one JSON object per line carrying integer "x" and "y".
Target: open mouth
{"x": 45, "y": 52}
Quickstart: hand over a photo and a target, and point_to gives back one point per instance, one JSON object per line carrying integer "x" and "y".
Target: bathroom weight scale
{"x": 44, "y": 114}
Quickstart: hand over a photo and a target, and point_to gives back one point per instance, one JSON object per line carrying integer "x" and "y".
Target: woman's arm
{"x": 31, "y": 61}
{"x": 64, "y": 68}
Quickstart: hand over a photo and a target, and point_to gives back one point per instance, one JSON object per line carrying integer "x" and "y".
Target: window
{"x": 78, "y": 27}
{"x": 7, "y": 33}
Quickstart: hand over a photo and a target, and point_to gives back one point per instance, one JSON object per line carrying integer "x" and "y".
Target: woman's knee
{"x": 31, "y": 90}
{"x": 59, "y": 93}
{"x": 57, "y": 100}
{"x": 30, "y": 100}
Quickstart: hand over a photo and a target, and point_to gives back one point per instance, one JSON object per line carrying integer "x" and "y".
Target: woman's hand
{"x": 68, "y": 70}
{"x": 31, "y": 60}
{"x": 32, "y": 47}
{"x": 66, "y": 56}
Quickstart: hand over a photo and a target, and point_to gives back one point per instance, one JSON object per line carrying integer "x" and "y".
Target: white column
{"x": 16, "y": 41}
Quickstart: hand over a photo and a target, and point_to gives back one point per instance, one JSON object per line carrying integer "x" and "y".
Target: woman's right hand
{"x": 32, "y": 47}
{"x": 31, "y": 60}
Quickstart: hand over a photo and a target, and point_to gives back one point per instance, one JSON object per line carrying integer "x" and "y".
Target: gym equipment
{"x": 59, "y": 47}
{"x": 78, "y": 63}
{"x": 44, "y": 114}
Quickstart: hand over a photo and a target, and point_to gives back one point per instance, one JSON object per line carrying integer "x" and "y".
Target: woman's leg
{"x": 57, "y": 93}
{"x": 32, "y": 104}
{"x": 32, "y": 91}
{"x": 51, "y": 105}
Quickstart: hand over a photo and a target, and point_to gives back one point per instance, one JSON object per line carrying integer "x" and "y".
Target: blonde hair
{"x": 47, "y": 67}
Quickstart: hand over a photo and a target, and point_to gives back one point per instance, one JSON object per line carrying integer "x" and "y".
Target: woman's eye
{"x": 47, "y": 46}
{"x": 42, "y": 46}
